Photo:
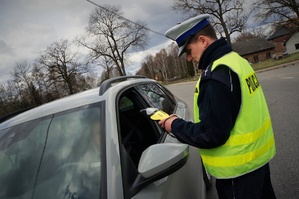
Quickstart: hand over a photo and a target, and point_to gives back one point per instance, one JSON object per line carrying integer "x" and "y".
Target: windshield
{"x": 54, "y": 157}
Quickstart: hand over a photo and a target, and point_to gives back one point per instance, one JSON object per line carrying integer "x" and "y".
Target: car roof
{"x": 66, "y": 103}
{"x": 77, "y": 100}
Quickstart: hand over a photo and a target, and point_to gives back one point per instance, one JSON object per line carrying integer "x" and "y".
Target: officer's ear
{"x": 204, "y": 41}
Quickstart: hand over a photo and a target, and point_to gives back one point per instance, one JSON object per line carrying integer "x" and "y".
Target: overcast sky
{"x": 27, "y": 27}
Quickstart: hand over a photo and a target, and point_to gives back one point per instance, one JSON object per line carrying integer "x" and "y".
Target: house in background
{"x": 279, "y": 38}
{"x": 292, "y": 44}
{"x": 285, "y": 39}
{"x": 254, "y": 49}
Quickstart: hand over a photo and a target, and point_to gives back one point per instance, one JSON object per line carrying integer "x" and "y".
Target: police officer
{"x": 232, "y": 126}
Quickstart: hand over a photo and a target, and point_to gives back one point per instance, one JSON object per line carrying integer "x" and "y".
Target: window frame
{"x": 129, "y": 171}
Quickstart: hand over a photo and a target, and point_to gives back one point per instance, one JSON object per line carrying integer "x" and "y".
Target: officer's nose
{"x": 189, "y": 58}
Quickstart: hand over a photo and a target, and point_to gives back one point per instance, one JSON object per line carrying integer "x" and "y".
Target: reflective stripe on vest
{"x": 251, "y": 142}
{"x": 196, "y": 93}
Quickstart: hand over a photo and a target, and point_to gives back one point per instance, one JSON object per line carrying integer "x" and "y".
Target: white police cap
{"x": 183, "y": 32}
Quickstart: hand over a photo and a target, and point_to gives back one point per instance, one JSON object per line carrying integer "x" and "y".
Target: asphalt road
{"x": 281, "y": 88}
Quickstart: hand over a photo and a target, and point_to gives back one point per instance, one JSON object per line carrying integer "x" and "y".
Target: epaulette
{"x": 220, "y": 74}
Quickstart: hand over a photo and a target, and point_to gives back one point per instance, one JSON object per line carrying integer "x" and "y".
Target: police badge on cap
{"x": 183, "y": 32}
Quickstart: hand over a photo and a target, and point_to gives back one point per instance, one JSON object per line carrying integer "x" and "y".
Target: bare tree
{"x": 253, "y": 33}
{"x": 165, "y": 65}
{"x": 162, "y": 63}
{"x": 40, "y": 80}
{"x": 22, "y": 78}
{"x": 244, "y": 36}
{"x": 145, "y": 70}
{"x": 229, "y": 16}
{"x": 278, "y": 10}
{"x": 179, "y": 65}
{"x": 15, "y": 101}
{"x": 107, "y": 64}
{"x": 3, "y": 101}
{"x": 62, "y": 65}
{"x": 110, "y": 37}
{"x": 90, "y": 80}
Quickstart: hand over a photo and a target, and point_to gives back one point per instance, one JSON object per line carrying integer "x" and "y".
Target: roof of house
{"x": 252, "y": 45}
{"x": 279, "y": 33}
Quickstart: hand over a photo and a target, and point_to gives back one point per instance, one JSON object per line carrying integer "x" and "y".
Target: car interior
{"x": 137, "y": 131}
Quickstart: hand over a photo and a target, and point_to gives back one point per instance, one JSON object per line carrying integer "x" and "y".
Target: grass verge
{"x": 272, "y": 62}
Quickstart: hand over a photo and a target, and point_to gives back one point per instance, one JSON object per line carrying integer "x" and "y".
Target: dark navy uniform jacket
{"x": 219, "y": 102}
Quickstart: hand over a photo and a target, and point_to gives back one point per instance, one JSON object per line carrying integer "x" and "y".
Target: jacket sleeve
{"x": 219, "y": 106}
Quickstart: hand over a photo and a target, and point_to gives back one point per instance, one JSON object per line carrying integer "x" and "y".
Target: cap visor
{"x": 182, "y": 48}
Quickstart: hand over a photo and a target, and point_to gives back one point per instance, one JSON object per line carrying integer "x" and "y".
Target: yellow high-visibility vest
{"x": 251, "y": 143}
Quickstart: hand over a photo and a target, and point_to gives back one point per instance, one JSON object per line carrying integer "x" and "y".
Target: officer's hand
{"x": 166, "y": 123}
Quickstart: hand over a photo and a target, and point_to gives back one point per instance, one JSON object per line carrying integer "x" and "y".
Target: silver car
{"x": 98, "y": 144}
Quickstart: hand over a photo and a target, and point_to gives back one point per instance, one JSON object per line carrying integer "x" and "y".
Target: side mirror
{"x": 164, "y": 158}
{"x": 157, "y": 162}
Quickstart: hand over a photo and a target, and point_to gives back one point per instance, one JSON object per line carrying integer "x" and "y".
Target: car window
{"x": 137, "y": 131}
{"x": 53, "y": 157}
{"x": 125, "y": 104}
{"x": 157, "y": 97}
{"x": 18, "y": 165}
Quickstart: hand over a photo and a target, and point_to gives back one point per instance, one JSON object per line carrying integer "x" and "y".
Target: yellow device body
{"x": 159, "y": 115}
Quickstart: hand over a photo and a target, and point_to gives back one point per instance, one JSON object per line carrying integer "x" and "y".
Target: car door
{"x": 148, "y": 133}
{"x": 191, "y": 173}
